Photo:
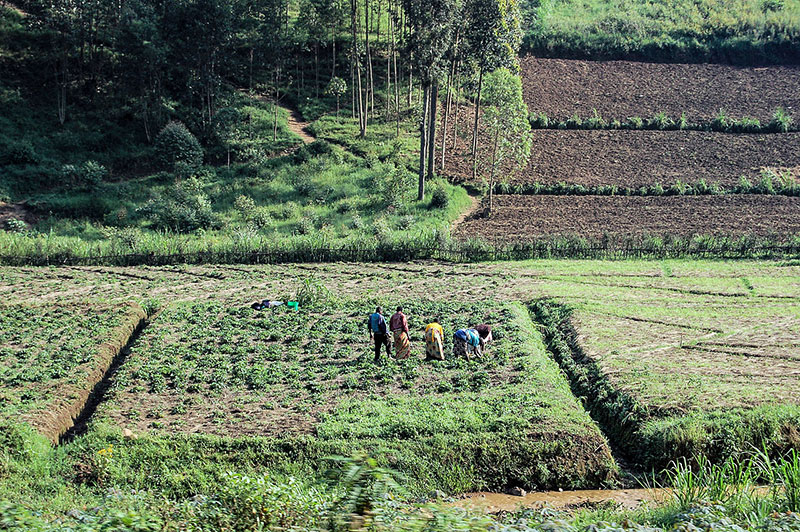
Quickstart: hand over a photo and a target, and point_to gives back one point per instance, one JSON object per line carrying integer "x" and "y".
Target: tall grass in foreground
{"x": 749, "y": 489}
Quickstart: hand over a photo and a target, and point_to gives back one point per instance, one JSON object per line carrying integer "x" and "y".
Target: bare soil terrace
{"x": 517, "y": 218}
{"x": 627, "y": 158}
{"x": 621, "y": 89}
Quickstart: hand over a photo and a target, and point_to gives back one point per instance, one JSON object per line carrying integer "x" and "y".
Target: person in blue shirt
{"x": 466, "y": 342}
{"x": 376, "y": 324}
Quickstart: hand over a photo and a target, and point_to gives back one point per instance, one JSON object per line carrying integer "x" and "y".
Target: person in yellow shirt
{"x": 434, "y": 337}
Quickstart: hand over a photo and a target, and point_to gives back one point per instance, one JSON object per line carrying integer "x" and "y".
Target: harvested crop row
{"x": 621, "y": 89}
{"x": 51, "y": 358}
{"x": 304, "y": 384}
{"x": 517, "y": 218}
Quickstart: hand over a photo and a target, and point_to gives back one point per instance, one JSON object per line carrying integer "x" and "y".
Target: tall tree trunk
{"x": 475, "y": 126}
{"x": 333, "y": 69}
{"x": 455, "y": 116}
{"x": 370, "y": 95}
{"x": 316, "y": 68}
{"x": 396, "y": 78}
{"x": 448, "y": 100}
{"x": 362, "y": 121}
{"x": 434, "y": 100}
{"x": 423, "y": 148}
{"x": 491, "y": 178}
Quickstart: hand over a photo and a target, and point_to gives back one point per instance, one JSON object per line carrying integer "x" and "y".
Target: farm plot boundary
{"x": 653, "y": 440}
{"x": 70, "y": 400}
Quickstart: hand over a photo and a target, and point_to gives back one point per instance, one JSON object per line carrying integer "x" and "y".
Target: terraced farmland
{"x": 621, "y": 89}
{"x": 523, "y": 217}
{"x": 683, "y": 357}
{"x": 52, "y": 356}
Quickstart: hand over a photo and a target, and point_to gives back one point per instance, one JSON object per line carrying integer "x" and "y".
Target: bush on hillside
{"x": 183, "y": 209}
{"x": 86, "y": 175}
{"x": 176, "y": 146}
{"x": 439, "y": 198}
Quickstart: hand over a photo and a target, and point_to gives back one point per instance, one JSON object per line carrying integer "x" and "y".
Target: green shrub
{"x": 539, "y": 121}
{"x": 722, "y": 122}
{"x": 176, "y": 146}
{"x": 184, "y": 208}
{"x": 660, "y": 121}
{"x": 21, "y": 152}
{"x": 595, "y": 121}
{"x": 439, "y": 197}
{"x": 87, "y": 175}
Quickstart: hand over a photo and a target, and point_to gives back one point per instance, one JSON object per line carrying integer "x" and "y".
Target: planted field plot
{"x": 634, "y": 159}
{"x": 307, "y": 382}
{"x": 52, "y": 356}
{"x": 622, "y": 89}
{"x": 520, "y": 218}
{"x": 670, "y": 383}
{"x": 673, "y": 357}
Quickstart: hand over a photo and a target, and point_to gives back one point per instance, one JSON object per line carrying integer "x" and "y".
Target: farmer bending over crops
{"x": 485, "y": 334}
{"x": 377, "y": 332}
{"x": 434, "y": 340}
{"x": 466, "y": 342}
{"x": 398, "y": 324}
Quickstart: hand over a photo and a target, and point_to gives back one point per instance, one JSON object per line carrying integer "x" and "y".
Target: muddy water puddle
{"x": 500, "y": 502}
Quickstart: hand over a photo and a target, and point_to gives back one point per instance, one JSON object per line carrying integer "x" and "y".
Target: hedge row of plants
{"x": 781, "y": 122}
{"x": 651, "y": 441}
{"x": 41, "y": 250}
{"x": 771, "y": 182}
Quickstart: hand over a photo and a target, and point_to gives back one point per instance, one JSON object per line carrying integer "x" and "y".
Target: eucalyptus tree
{"x": 507, "y": 125}
{"x": 493, "y": 35}
{"x": 431, "y": 25}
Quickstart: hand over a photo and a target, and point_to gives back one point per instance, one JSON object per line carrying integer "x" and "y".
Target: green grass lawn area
{"x": 744, "y": 31}
{"x": 283, "y": 389}
{"x": 51, "y": 356}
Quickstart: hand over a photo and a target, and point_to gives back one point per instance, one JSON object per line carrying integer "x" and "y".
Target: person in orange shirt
{"x": 398, "y": 324}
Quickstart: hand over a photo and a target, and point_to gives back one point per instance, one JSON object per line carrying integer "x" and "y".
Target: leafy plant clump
{"x": 177, "y": 148}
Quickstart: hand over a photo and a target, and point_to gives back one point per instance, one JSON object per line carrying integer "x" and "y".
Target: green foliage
{"x": 439, "y": 197}
{"x": 182, "y": 208}
{"x": 781, "y": 120}
{"x": 313, "y": 294}
{"x": 506, "y": 119}
{"x": 175, "y": 146}
{"x": 741, "y": 31}
{"x": 87, "y": 176}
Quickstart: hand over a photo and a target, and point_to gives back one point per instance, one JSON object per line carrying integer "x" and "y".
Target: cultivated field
{"x": 522, "y": 217}
{"x": 51, "y": 356}
{"x": 639, "y": 158}
{"x": 684, "y": 353}
{"x": 622, "y": 89}
{"x": 307, "y": 380}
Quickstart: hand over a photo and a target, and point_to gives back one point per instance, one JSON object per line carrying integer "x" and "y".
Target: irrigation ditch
{"x": 76, "y": 423}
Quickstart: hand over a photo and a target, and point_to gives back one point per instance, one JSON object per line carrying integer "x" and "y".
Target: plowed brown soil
{"x": 633, "y": 159}
{"x": 620, "y": 89}
{"x": 518, "y": 218}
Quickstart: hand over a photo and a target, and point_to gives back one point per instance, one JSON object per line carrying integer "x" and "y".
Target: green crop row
{"x": 771, "y": 182}
{"x": 781, "y": 122}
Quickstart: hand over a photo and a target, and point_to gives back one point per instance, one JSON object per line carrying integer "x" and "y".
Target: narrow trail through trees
{"x": 298, "y": 126}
